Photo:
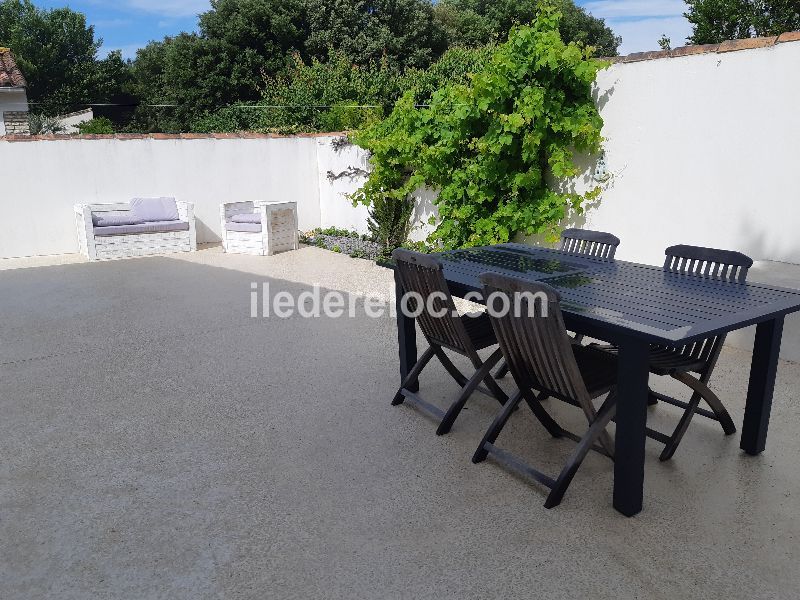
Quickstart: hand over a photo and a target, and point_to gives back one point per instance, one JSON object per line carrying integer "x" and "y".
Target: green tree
{"x": 456, "y": 65}
{"x": 490, "y": 147}
{"x": 477, "y": 22}
{"x": 334, "y": 95}
{"x": 240, "y": 42}
{"x": 404, "y": 33}
{"x": 184, "y": 77}
{"x": 253, "y": 38}
{"x": 57, "y": 52}
{"x": 715, "y": 21}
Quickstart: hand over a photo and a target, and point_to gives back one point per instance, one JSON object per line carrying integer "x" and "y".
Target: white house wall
{"x": 11, "y": 100}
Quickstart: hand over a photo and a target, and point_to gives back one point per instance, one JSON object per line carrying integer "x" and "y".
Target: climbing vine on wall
{"x": 490, "y": 147}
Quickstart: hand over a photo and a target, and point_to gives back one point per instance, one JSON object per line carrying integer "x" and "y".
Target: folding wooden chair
{"x": 694, "y": 363}
{"x": 580, "y": 242}
{"x": 542, "y": 357}
{"x": 444, "y": 328}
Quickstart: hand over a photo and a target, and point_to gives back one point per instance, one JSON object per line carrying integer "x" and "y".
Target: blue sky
{"x": 129, "y": 24}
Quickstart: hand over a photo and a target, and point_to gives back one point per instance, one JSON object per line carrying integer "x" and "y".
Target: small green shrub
{"x": 98, "y": 125}
{"x": 44, "y": 125}
{"x": 390, "y": 222}
{"x": 336, "y": 232}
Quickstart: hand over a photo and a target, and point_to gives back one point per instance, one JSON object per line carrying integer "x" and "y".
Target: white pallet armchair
{"x": 260, "y": 227}
{"x": 101, "y": 237}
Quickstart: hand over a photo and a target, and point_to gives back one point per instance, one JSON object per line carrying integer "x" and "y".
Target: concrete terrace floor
{"x": 157, "y": 442}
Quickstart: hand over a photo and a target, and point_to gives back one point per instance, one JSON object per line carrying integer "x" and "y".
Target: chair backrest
{"x": 422, "y": 273}
{"x": 533, "y": 337}
{"x": 725, "y": 265}
{"x": 585, "y": 242}
{"x": 710, "y": 263}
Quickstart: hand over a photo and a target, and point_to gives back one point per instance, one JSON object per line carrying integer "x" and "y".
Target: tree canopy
{"x": 273, "y": 51}
{"x": 477, "y": 22}
{"x": 404, "y": 33}
{"x": 715, "y": 21}
{"x": 57, "y": 52}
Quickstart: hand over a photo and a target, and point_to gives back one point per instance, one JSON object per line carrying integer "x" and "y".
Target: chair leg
{"x": 460, "y": 378}
{"x": 535, "y": 404}
{"x": 713, "y": 401}
{"x": 598, "y": 426}
{"x": 483, "y": 373}
{"x": 496, "y": 427}
{"x": 496, "y": 390}
{"x": 502, "y": 371}
{"x": 672, "y": 444}
{"x": 701, "y": 391}
{"x": 412, "y": 376}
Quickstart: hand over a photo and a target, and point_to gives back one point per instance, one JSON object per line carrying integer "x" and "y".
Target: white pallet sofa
{"x": 260, "y": 227}
{"x": 141, "y": 227}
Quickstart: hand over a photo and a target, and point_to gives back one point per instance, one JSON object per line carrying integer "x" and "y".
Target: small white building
{"x": 13, "y": 96}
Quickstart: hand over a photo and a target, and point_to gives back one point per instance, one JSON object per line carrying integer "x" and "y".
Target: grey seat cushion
{"x": 114, "y": 217}
{"x": 155, "y": 209}
{"x": 246, "y": 218}
{"x": 246, "y": 227}
{"x": 150, "y": 227}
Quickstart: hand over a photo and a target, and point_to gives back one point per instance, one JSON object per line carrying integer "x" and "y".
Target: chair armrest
{"x": 85, "y": 226}
{"x": 185, "y": 210}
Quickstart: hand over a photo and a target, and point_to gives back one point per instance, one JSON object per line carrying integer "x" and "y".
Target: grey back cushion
{"x": 155, "y": 209}
{"x": 247, "y": 218}
{"x": 111, "y": 218}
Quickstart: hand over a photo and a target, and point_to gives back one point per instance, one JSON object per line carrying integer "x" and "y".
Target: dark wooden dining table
{"x": 631, "y": 306}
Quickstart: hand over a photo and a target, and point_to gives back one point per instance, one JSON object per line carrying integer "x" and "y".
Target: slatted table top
{"x": 641, "y": 300}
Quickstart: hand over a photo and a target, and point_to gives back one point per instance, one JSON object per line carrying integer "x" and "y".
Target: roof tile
{"x": 10, "y": 75}
{"x": 746, "y": 44}
{"x": 789, "y": 36}
{"x": 689, "y": 50}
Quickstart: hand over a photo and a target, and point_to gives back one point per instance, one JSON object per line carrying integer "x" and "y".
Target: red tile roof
{"x": 10, "y": 75}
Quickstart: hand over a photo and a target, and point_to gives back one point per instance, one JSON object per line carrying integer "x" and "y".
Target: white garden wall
{"x": 703, "y": 149}
{"x": 47, "y": 177}
{"x": 70, "y": 122}
{"x": 11, "y": 100}
{"x": 340, "y": 171}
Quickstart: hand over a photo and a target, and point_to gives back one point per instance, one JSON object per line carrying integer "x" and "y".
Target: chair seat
{"x": 664, "y": 360}
{"x": 243, "y": 227}
{"x": 138, "y": 228}
{"x": 598, "y": 368}
{"x": 479, "y": 329}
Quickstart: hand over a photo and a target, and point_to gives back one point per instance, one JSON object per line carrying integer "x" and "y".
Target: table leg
{"x": 406, "y": 336}
{"x": 631, "y": 419}
{"x": 766, "y": 350}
